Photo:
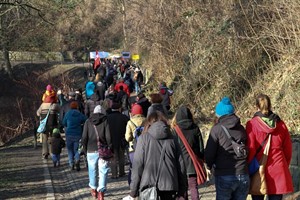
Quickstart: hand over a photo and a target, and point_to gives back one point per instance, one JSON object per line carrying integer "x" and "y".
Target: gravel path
{"x": 25, "y": 175}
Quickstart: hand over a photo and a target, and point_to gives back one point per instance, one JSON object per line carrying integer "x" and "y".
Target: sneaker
{"x": 128, "y": 198}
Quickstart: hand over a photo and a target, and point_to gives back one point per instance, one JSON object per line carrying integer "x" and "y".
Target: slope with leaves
{"x": 208, "y": 49}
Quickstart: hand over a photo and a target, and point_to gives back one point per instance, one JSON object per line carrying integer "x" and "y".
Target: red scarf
{"x": 198, "y": 164}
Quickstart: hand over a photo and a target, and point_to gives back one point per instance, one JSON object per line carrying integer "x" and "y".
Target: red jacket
{"x": 278, "y": 177}
{"x": 125, "y": 87}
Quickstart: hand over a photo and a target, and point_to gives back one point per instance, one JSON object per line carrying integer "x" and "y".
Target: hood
{"x": 269, "y": 119}
{"x": 267, "y": 123}
{"x": 229, "y": 121}
{"x": 75, "y": 113}
{"x": 95, "y": 97}
{"x": 97, "y": 118}
{"x": 159, "y": 130}
{"x": 184, "y": 118}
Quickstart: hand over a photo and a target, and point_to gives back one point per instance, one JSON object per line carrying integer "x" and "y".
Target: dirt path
{"x": 25, "y": 175}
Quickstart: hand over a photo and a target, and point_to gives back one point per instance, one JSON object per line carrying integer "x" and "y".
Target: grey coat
{"x": 146, "y": 160}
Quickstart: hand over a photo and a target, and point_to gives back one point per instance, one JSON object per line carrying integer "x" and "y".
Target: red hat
{"x": 136, "y": 109}
{"x": 74, "y": 105}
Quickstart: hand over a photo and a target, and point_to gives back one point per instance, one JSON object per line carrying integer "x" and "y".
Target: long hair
{"x": 263, "y": 103}
{"x": 154, "y": 117}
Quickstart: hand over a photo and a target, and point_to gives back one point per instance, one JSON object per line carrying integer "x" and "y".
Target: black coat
{"x": 91, "y": 104}
{"x": 100, "y": 90}
{"x": 219, "y": 152}
{"x": 117, "y": 125}
{"x": 57, "y": 143}
{"x": 191, "y": 132}
{"x": 145, "y": 104}
{"x": 89, "y": 137}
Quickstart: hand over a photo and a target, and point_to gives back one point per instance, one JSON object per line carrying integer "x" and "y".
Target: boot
{"x": 77, "y": 165}
{"x": 94, "y": 193}
{"x": 100, "y": 195}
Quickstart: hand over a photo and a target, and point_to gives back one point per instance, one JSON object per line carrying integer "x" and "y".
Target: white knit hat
{"x": 99, "y": 109}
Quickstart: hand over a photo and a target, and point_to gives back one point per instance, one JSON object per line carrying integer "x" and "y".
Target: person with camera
{"x": 228, "y": 165}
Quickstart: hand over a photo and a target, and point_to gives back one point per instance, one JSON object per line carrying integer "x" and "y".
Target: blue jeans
{"x": 232, "y": 187}
{"x": 137, "y": 87}
{"x": 56, "y": 158}
{"x": 72, "y": 147}
{"x": 97, "y": 168}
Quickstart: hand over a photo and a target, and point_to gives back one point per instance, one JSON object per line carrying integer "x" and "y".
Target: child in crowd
{"x": 57, "y": 143}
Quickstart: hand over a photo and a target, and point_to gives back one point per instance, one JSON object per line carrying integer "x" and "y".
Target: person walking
{"x": 117, "y": 125}
{"x": 264, "y": 123}
{"x": 166, "y": 95}
{"x": 49, "y": 104}
{"x": 231, "y": 172}
{"x": 67, "y": 106}
{"x": 156, "y": 141}
{"x": 138, "y": 79}
{"x": 91, "y": 103}
{"x": 156, "y": 105}
{"x": 97, "y": 167}
{"x": 73, "y": 122}
{"x": 142, "y": 100}
{"x": 184, "y": 120}
{"x": 57, "y": 143}
{"x": 136, "y": 120}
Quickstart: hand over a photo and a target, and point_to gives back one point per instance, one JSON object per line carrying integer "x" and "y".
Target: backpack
{"x": 137, "y": 132}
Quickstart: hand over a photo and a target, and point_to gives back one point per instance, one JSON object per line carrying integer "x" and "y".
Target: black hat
{"x": 115, "y": 106}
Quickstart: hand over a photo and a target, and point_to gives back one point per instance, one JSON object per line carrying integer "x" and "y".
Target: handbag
{"x": 253, "y": 166}
{"x": 43, "y": 122}
{"x": 258, "y": 184}
{"x": 104, "y": 151}
{"x": 240, "y": 149}
{"x": 151, "y": 193}
{"x": 198, "y": 164}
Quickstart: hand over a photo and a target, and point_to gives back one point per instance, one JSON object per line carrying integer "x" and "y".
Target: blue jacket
{"x": 89, "y": 89}
{"x": 74, "y": 120}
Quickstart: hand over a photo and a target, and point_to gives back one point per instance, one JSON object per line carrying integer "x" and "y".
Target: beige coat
{"x": 130, "y": 128}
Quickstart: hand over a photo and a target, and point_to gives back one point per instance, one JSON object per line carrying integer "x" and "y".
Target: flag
{"x": 97, "y": 60}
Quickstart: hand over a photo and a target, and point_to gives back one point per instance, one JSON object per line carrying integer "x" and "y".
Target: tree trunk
{"x": 8, "y": 67}
{"x": 124, "y": 24}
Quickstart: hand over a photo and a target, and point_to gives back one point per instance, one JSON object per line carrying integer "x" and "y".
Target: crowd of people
{"x": 108, "y": 128}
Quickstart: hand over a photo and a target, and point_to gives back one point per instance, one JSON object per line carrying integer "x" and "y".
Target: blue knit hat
{"x": 224, "y": 107}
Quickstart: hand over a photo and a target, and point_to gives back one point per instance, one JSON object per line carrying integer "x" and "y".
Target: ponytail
{"x": 263, "y": 102}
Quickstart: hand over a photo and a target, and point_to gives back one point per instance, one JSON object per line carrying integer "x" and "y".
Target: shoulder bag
{"x": 258, "y": 184}
{"x": 240, "y": 149}
{"x": 151, "y": 193}
{"x": 43, "y": 122}
{"x": 253, "y": 166}
{"x": 198, "y": 164}
{"x": 105, "y": 152}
